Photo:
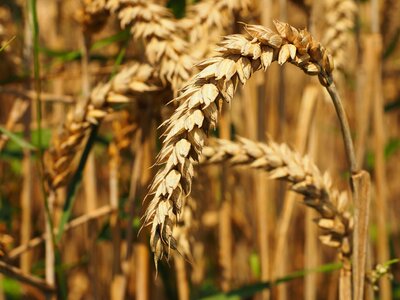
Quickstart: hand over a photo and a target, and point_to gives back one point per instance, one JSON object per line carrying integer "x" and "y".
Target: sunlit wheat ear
{"x": 214, "y": 16}
{"x": 124, "y": 87}
{"x": 340, "y": 21}
{"x": 155, "y": 25}
{"x": 283, "y": 163}
{"x": 206, "y": 21}
{"x": 186, "y": 131}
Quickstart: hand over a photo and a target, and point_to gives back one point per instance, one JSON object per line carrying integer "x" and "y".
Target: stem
{"x": 50, "y": 245}
{"x": 360, "y": 183}
{"x": 344, "y": 125}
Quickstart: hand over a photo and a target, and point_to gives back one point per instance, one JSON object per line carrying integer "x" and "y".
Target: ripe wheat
{"x": 157, "y": 28}
{"x": 186, "y": 130}
{"x": 214, "y": 17}
{"x": 125, "y": 86}
{"x": 305, "y": 178}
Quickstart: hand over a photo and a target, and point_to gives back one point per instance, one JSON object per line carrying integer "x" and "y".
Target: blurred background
{"x": 84, "y": 85}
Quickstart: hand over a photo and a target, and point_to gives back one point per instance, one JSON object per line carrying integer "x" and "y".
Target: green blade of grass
{"x": 252, "y": 289}
{"x": 17, "y": 139}
{"x": 123, "y": 35}
{"x": 65, "y": 56}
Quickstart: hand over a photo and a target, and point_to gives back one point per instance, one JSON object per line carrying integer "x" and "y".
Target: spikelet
{"x": 305, "y": 178}
{"x": 185, "y": 225}
{"x": 186, "y": 131}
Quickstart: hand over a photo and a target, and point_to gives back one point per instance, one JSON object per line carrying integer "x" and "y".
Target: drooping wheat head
{"x": 187, "y": 129}
{"x": 303, "y": 175}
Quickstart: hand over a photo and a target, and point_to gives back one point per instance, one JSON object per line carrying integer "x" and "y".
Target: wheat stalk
{"x": 126, "y": 86}
{"x": 340, "y": 20}
{"x": 187, "y": 129}
{"x": 305, "y": 178}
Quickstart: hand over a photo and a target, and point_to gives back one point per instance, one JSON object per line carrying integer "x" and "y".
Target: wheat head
{"x": 186, "y": 130}
{"x": 157, "y": 28}
{"x": 130, "y": 82}
{"x": 214, "y": 15}
{"x": 306, "y": 179}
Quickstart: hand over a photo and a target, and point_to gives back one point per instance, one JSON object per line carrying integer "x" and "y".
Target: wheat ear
{"x": 305, "y": 178}
{"x": 340, "y": 20}
{"x": 186, "y": 130}
{"x": 214, "y": 15}
{"x": 126, "y": 85}
{"x": 157, "y": 28}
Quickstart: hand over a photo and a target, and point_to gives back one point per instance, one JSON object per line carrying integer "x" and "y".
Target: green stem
{"x": 38, "y": 103}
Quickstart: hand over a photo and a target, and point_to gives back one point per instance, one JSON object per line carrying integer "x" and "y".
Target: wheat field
{"x": 209, "y": 149}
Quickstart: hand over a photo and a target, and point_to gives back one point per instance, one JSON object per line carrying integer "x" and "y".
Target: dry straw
{"x": 305, "y": 178}
{"x": 187, "y": 129}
